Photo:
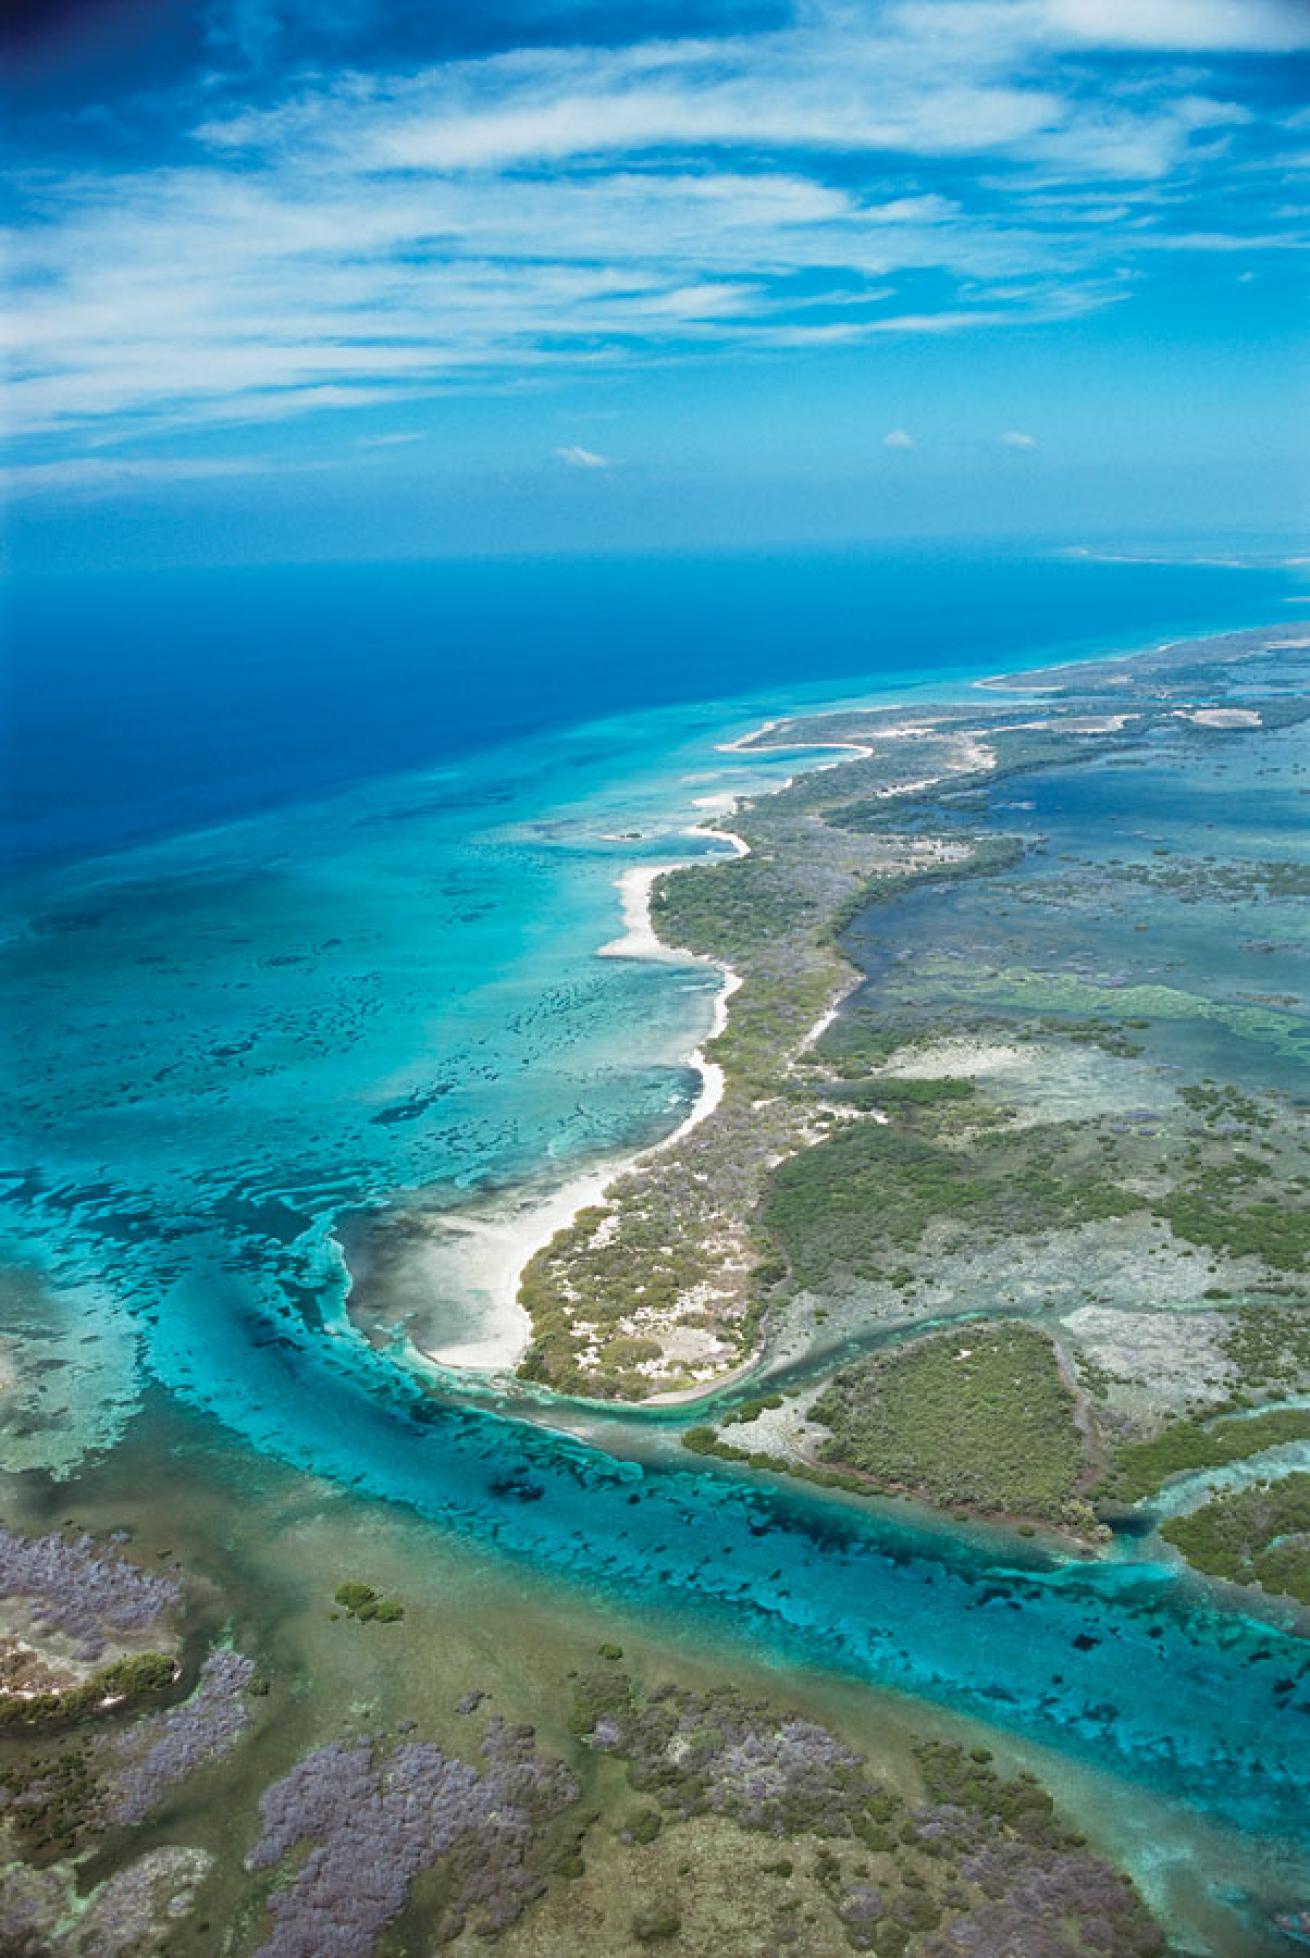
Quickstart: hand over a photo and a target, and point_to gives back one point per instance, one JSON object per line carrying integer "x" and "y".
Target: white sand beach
{"x": 486, "y": 1257}
{"x": 639, "y": 940}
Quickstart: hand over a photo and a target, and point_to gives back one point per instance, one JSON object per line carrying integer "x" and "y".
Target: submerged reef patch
{"x": 86, "y": 1590}
{"x": 132, "y": 1914}
{"x": 139, "y": 1764}
{"x": 967, "y": 1862}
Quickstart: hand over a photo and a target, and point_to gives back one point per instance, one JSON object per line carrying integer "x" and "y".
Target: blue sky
{"x": 320, "y": 278}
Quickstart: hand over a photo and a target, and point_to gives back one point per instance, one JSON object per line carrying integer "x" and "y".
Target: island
{"x": 1003, "y": 1204}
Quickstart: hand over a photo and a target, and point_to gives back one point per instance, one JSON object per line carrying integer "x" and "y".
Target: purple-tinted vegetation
{"x": 80, "y": 1588}
{"x": 139, "y": 1764}
{"x": 984, "y": 1869}
{"x": 376, "y": 1820}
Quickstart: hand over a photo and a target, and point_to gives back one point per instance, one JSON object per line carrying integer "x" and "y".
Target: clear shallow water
{"x": 224, "y": 1039}
{"x": 1224, "y": 980}
{"x": 227, "y": 1036}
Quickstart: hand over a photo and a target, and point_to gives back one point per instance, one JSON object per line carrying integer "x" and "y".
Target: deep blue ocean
{"x": 135, "y": 703}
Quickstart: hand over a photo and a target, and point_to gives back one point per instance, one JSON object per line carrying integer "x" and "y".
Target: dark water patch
{"x": 264, "y": 1217}
{"x": 414, "y": 1107}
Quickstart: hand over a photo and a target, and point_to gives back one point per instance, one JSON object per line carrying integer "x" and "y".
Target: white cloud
{"x": 372, "y": 238}
{"x": 1014, "y": 438}
{"x": 1197, "y": 26}
{"x": 899, "y": 438}
{"x": 110, "y": 475}
{"x": 577, "y": 458}
{"x": 1166, "y": 26}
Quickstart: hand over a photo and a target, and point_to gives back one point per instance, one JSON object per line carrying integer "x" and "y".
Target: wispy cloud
{"x": 898, "y": 438}
{"x": 89, "y": 475}
{"x": 576, "y": 458}
{"x": 1163, "y": 26}
{"x": 1184, "y": 26}
{"x": 393, "y": 441}
{"x": 928, "y": 167}
{"x": 1015, "y": 438}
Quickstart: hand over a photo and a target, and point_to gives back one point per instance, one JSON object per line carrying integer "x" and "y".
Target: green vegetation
{"x": 1206, "y": 1210}
{"x": 979, "y": 1417}
{"x": 649, "y": 1265}
{"x": 726, "y": 910}
{"x": 751, "y": 1410}
{"x": 66, "y": 1806}
{"x": 705, "y": 1441}
{"x": 987, "y": 857}
{"x": 845, "y": 1206}
{"x": 1249, "y": 881}
{"x": 857, "y": 1040}
{"x": 605, "y": 1294}
{"x": 123, "y": 1682}
{"x": 1142, "y": 1467}
{"x": 1270, "y": 1346}
{"x": 1223, "y": 1102}
{"x": 968, "y": 1781}
{"x": 362, "y": 1601}
{"x": 884, "y": 1866}
{"x": 1255, "y": 1536}
{"x": 897, "y": 1095}
{"x": 654, "y": 1922}
{"x": 786, "y": 1190}
{"x": 1088, "y": 1030}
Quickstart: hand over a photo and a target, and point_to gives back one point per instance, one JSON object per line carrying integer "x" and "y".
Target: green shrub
{"x": 1142, "y": 1467}
{"x": 1254, "y": 1536}
{"x": 361, "y": 1601}
{"x": 654, "y": 1922}
{"x": 128, "y": 1679}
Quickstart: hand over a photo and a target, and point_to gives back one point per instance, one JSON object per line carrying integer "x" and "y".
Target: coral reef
{"x": 133, "y": 1914}
{"x": 122, "y": 1775}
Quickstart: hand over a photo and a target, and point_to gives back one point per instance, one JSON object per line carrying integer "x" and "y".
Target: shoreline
{"x": 491, "y": 1253}
{"x": 521, "y": 1240}
{"x": 499, "y": 1351}
{"x": 507, "y": 1332}
{"x": 516, "y": 1240}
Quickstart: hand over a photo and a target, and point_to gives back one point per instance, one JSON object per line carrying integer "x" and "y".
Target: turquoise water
{"x": 227, "y": 1038}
